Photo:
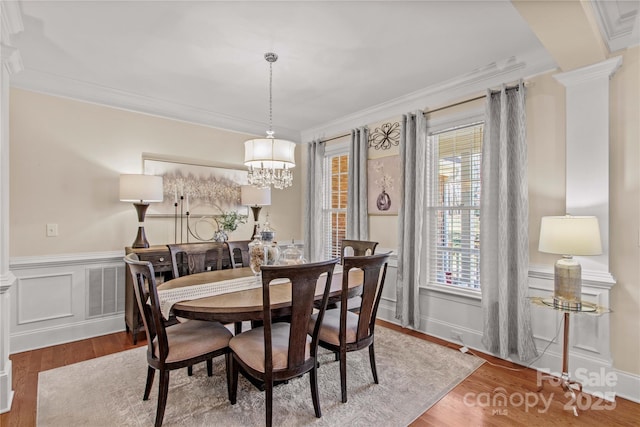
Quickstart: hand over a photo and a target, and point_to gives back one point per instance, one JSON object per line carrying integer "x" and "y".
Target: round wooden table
{"x": 247, "y": 304}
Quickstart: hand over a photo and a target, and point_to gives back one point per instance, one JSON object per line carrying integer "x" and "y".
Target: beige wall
{"x": 624, "y": 212}
{"x": 66, "y": 158}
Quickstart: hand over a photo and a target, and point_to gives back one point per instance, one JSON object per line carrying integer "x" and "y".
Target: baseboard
{"x": 628, "y": 385}
{"x": 6, "y": 393}
{"x": 55, "y": 335}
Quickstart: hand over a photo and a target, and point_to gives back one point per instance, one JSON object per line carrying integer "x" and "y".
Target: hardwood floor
{"x": 474, "y": 402}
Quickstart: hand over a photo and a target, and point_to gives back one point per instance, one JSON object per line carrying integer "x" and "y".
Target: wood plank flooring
{"x": 474, "y": 402}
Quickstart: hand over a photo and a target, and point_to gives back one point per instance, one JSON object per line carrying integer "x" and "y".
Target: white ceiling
{"x": 202, "y": 61}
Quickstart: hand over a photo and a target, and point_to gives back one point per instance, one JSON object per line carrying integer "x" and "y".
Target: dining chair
{"x": 343, "y": 330}
{"x": 239, "y": 249}
{"x": 276, "y": 352}
{"x": 190, "y": 258}
{"x": 354, "y": 248}
{"x": 178, "y": 346}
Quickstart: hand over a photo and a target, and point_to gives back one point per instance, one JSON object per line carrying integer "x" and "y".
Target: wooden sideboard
{"x": 161, "y": 259}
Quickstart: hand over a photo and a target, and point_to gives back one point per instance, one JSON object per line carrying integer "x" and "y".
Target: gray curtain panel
{"x": 357, "y": 218}
{"x": 412, "y": 219}
{"x": 313, "y": 230}
{"x": 504, "y": 246}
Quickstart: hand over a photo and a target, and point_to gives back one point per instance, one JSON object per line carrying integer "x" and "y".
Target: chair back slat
{"x": 374, "y": 268}
{"x": 191, "y": 258}
{"x": 358, "y": 247}
{"x": 304, "y": 279}
{"x": 241, "y": 248}
{"x": 145, "y": 289}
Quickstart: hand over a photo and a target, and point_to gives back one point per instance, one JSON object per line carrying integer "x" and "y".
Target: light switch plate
{"x": 52, "y": 230}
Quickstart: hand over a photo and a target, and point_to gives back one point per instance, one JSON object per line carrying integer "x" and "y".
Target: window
{"x": 455, "y": 207}
{"x": 335, "y": 201}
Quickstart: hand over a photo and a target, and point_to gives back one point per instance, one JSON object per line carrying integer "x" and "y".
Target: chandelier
{"x": 269, "y": 159}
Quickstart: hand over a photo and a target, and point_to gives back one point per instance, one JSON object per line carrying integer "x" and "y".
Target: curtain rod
{"x": 425, "y": 112}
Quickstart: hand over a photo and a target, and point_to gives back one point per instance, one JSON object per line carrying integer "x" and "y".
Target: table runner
{"x": 169, "y": 297}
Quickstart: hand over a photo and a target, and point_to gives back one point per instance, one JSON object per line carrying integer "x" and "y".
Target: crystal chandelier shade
{"x": 270, "y": 160}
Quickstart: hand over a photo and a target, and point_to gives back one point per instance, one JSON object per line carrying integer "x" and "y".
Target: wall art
{"x": 383, "y": 175}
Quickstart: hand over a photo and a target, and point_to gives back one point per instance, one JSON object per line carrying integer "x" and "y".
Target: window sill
{"x": 451, "y": 290}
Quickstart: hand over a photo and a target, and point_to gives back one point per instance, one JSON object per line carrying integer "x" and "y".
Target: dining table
{"x": 246, "y": 305}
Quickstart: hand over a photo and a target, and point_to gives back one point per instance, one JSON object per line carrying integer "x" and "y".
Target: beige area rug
{"x": 107, "y": 391}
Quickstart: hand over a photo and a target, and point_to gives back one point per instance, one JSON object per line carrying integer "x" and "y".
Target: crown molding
{"x": 478, "y": 81}
{"x": 604, "y": 69}
{"x": 619, "y": 22}
{"x": 11, "y": 19}
{"x": 51, "y": 84}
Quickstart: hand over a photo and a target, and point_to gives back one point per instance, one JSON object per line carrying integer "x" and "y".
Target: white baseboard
{"x": 628, "y": 386}
{"x": 49, "y": 336}
{"x": 6, "y": 393}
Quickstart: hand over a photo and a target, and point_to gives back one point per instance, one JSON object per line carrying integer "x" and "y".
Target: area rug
{"x": 107, "y": 391}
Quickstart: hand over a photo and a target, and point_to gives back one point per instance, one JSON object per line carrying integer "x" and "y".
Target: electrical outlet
{"x": 456, "y": 335}
{"x": 52, "y": 230}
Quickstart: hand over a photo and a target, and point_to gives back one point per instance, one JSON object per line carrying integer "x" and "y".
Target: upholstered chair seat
{"x": 249, "y": 346}
{"x": 186, "y": 339}
{"x": 330, "y": 331}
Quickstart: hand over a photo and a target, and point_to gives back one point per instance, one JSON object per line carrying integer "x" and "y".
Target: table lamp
{"x": 568, "y": 236}
{"x": 255, "y": 198}
{"x": 141, "y": 190}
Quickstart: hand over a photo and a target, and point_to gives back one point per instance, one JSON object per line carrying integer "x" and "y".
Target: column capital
{"x": 6, "y": 282}
{"x": 589, "y": 73}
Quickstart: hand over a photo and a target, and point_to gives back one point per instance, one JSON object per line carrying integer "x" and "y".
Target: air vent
{"x": 105, "y": 290}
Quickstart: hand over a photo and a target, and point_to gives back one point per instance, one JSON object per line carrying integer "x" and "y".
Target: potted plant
{"x": 228, "y": 222}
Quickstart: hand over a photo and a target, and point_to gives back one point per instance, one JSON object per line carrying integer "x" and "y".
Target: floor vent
{"x": 105, "y": 291}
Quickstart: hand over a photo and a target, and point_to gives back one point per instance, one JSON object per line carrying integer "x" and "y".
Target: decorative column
{"x": 11, "y": 23}
{"x": 587, "y": 140}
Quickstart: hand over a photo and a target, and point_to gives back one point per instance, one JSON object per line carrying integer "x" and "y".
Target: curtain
{"x": 357, "y": 217}
{"x": 313, "y": 230}
{"x": 412, "y": 218}
{"x": 504, "y": 245}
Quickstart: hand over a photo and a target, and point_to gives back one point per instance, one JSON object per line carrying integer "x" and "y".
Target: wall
{"x": 66, "y": 157}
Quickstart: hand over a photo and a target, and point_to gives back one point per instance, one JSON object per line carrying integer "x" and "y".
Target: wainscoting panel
{"x": 65, "y": 298}
{"x": 44, "y": 297}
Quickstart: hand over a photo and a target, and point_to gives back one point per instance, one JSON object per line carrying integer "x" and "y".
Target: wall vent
{"x": 105, "y": 291}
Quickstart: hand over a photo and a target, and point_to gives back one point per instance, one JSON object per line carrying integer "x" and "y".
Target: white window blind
{"x": 455, "y": 207}
{"x": 335, "y": 203}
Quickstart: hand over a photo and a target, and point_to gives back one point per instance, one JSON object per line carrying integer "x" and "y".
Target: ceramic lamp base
{"x": 567, "y": 293}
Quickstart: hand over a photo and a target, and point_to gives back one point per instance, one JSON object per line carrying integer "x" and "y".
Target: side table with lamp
{"x": 568, "y": 236}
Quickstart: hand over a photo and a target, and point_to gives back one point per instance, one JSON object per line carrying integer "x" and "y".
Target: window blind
{"x": 335, "y": 203}
{"x": 455, "y": 207}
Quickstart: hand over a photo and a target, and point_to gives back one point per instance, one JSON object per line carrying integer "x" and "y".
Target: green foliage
{"x": 229, "y": 221}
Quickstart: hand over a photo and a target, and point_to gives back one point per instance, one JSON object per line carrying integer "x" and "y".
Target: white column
{"x": 587, "y": 140}
{"x": 11, "y": 23}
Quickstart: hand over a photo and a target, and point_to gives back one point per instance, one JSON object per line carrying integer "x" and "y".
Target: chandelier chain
{"x": 270, "y": 97}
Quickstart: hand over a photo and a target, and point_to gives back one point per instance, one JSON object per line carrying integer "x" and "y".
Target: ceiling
{"x": 203, "y": 61}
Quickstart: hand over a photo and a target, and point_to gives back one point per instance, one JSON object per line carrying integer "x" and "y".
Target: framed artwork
{"x": 206, "y": 190}
{"x": 383, "y": 175}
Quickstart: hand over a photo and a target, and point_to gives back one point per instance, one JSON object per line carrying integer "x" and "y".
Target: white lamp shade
{"x": 570, "y": 235}
{"x": 254, "y": 196}
{"x": 269, "y": 153}
{"x": 141, "y": 188}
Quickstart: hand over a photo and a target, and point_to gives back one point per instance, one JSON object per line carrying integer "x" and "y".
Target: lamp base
{"x": 256, "y": 215}
{"x": 141, "y": 239}
{"x": 567, "y": 292}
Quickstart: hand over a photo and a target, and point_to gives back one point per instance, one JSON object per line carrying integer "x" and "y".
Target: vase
{"x": 220, "y": 236}
{"x": 383, "y": 202}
